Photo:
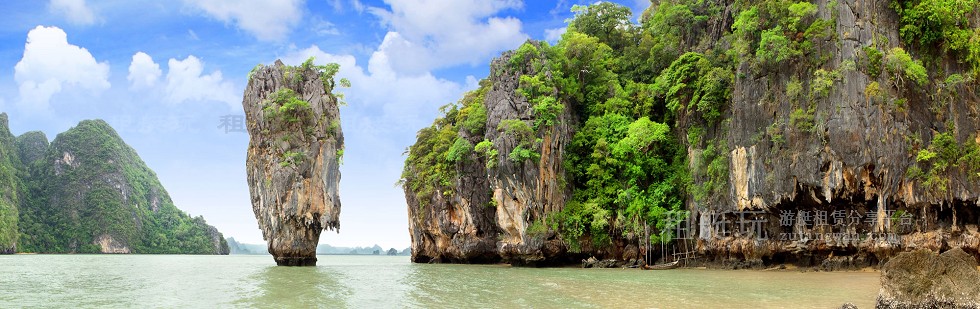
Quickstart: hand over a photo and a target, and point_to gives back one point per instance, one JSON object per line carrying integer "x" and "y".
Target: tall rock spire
{"x": 294, "y": 154}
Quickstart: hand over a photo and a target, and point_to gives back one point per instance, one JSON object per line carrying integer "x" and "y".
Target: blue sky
{"x": 163, "y": 73}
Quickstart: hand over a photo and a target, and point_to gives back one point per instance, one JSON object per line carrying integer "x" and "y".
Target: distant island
{"x": 89, "y": 192}
{"x": 324, "y": 249}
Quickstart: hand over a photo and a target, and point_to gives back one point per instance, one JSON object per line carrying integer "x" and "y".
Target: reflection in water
{"x": 295, "y": 287}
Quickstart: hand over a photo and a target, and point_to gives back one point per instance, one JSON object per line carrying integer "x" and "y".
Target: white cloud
{"x": 185, "y": 83}
{"x": 322, "y": 27}
{"x": 267, "y": 20}
{"x": 76, "y": 11}
{"x": 51, "y": 64}
{"x": 559, "y": 8}
{"x": 396, "y": 98}
{"x": 356, "y": 5}
{"x": 554, "y": 34}
{"x": 143, "y": 72}
{"x": 431, "y": 34}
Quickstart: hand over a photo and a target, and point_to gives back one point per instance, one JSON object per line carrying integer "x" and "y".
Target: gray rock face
{"x": 855, "y": 159}
{"x": 922, "y": 279}
{"x": 488, "y": 216}
{"x": 524, "y": 192}
{"x": 293, "y": 161}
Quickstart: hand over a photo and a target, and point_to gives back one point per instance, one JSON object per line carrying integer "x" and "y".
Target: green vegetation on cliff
{"x": 651, "y": 103}
{"x": 89, "y": 192}
{"x": 11, "y": 172}
{"x": 439, "y": 147}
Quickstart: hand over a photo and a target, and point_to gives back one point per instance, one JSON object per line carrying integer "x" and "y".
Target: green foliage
{"x": 334, "y": 127}
{"x": 802, "y": 119}
{"x": 526, "y": 52}
{"x": 936, "y": 22}
{"x": 286, "y": 104}
{"x": 517, "y": 129}
{"x": 431, "y": 162}
{"x": 539, "y": 91}
{"x": 901, "y": 66}
{"x": 474, "y": 111}
{"x": 426, "y": 168}
{"x": 628, "y": 169}
{"x": 798, "y": 11}
{"x": 819, "y": 30}
{"x": 486, "y": 149}
{"x": 712, "y": 169}
{"x": 873, "y": 91}
{"x": 609, "y": 22}
{"x": 944, "y": 155}
{"x": 91, "y": 204}
{"x": 11, "y": 187}
{"x": 539, "y": 83}
{"x": 537, "y": 229}
{"x": 578, "y": 219}
{"x": 669, "y": 29}
{"x": 520, "y": 154}
{"x": 254, "y": 69}
{"x": 771, "y": 30}
{"x": 794, "y": 90}
{"x": 291, "y": 158}
{"x": 823, "y": 82}
{"x": 874, "y": 57}
{"x": 546, "y": 110}
{"x": 691, "y": 81}
{"x": 745, "y": 29}
{"x": 327, "y": 72}
{"x": 583, "y": 70}
{"x": 459, "y": 150}
{"x": 774, "y": 47}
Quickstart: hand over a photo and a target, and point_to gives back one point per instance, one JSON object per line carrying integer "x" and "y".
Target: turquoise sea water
{"x": 179, "y": 281}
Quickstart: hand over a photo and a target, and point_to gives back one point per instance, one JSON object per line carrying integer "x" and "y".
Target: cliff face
{"x": 294, "y": 157}
{"x": 484, "y": 212}
{"x": 494, "y": 206}
{"x": 853, "y": 151}
{"x": 89, "y": 192}
{"x": 823, "y": 133}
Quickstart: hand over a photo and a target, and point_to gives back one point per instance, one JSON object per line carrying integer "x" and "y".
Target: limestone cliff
{"x": 820, "y": 133}
{"x": 485, "y": 213}
{"x": 850, "y": 151}
{"x": 294, "y": 155}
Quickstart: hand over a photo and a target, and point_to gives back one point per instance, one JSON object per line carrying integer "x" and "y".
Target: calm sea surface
{"x": 168, "y": 281}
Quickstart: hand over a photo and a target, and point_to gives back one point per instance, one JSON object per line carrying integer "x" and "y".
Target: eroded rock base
{"x": 295, "y": 261}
